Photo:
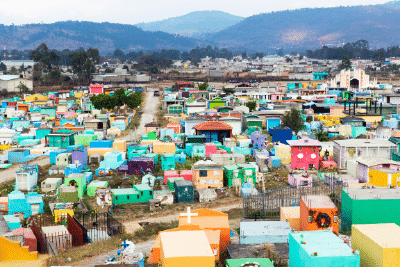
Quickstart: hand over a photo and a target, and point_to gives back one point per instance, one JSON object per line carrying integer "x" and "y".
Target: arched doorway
{"x": 73, "y": 183}
{"x": 354, "y": 83}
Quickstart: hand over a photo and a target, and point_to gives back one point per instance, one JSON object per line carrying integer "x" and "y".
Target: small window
{"x": 141, "y": 193}
{"x": 210, "y": 181}
{"x": 203, "y": 181}
{"x": 48, "y": 185}
{"x": 116, "y": 198}
{"x": 216, "y": 173}
{"x": 137, "y": 196}
{"x": 203, "y": 173}
{"x": 127, "y": 197}
{"x": 151, "y": 193}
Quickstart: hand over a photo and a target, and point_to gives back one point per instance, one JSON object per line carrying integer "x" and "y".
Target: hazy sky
{"x": 134, "y": 11}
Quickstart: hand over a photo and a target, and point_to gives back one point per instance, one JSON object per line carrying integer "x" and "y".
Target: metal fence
{"x": 267, "y": 205}
{"x": 99, "y": 226}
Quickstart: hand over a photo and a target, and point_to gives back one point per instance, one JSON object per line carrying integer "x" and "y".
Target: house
{"x": 152, "y": 127}
{"x": 50, "y": 184}
{"x": 95, "y": 124}
{"x": 138, "y": 166}
{"x": 259, "y": 140}
{"x": 277, "y": 96}
{"x": 300, "y": 180}
{"x": 190, "y": 123}
{"x": 318, "y": 213}
{"x": 184, "y": 191}
{"x": 112, "y": 160}
{"x": 7, "y": 136}
{"x": 30, "y": 204}
{"x": 96, "y": 89}
{"x": 353, "y": 121}
{"x": 261, "y": 232}
{"x": 291, "y": 215}
{"x": 77, "y": 180}
{"x": 207, "y": 174}
{"x": 92, "y": 186}
{"x": 364, "y": 166}
{"x": 280, "y": 134}
{"x": 17, "y": 155}
{"x": 320, "y": 248}
{"x": 80, "y": 156}
{"x": 145, "y": 192}
{"x": 174, "y": 126}
{"x": 216, "y": 102}
{"x": 124, "y": 196}
{"x": 61, "y": 138}
{"x": 175, "y": 109}
{"x": 196, "y": 106}
{"x": 210, "y": 220}
{"x": 11, "y": 83}
{"x": 245, "y": 173}
{"x": 283, "y": 152}
{"x": 234, "y": 122}
{"x": 378, "y": 244}
{"x": 305, "y": 153}
{"x": 176, "y": 251}
{"x": 343, "y": 150}
{"x": 63, "y": 159}
{"x": 103, "y": 199}
{"x": 214, "y": 130}
{"x": 359, "y": 203}
{"x": 68, "y": 194}
{"x": 26, "y": 177}
{"x": 259, "y": 262}
{"x": 272, "y": 122}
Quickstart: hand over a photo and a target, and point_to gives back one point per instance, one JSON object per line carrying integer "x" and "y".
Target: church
{"x": 353, "y": 80}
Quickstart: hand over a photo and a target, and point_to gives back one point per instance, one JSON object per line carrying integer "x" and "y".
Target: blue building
{"x": 18, "y": 155}
{"x": 31, "y": 204}
{"x": 320, "y": 248}
{"x": 281, "y": 134}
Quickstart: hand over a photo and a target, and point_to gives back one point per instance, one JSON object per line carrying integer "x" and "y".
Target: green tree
{"x": 47, "y": 59}
{"x": 203, "y": 86}
{"x": 346, "y": 63}
{"x": 134, "y": 100}
{"x": 22, "y": 87}
{"x": 13, "y": 70}
{"x": 379, "y": 55}
{"x": 321, "y": 134}
{"x": 119, "y": 98}
{"x": 3, "y": 67}
{"x": 293, "y": 120}
{"x": 288, "y": 59}
{"x": 83, "y": 62}
{"x": 251, "y": 105}
{"x": 102, "y": 101}
{"x": 228, "y": 91}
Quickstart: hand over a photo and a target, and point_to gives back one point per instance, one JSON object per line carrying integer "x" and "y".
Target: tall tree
{"x": 293, "y": 120}
{"x": 346, "y": 63}
{"x": 48, "y": 60}
{"x": 252, "y": 105}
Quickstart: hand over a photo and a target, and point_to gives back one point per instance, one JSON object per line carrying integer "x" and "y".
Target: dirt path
{"x": 149, "y": 111}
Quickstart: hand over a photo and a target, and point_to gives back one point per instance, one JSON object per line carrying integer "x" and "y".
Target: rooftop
{"x": 180, "y": 244}
{"x": 212, "y": 125}
{"x": 304, "y": 142}
{"x": 376, "y": 161}
{"x": 325, "y": 243}
{"x": 318, "y": 202}
{"x": 359, "y": 193}
{"x": 386, "y": 235}
{"x": 364, "y": 143}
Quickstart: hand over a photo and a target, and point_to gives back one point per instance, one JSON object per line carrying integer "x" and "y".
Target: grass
{"x": 87, "y": 251}
{"x": 234, "y": 213}
{"x": 151, "y": 229}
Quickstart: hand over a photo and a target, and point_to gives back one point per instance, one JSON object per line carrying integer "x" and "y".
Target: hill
{"x": 105, "y": 36}
{"x": 308, "y": 28}
{"x": 195, "y": 24}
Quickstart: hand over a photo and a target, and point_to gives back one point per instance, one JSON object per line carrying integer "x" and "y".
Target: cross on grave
{"x": 189, "y": 215}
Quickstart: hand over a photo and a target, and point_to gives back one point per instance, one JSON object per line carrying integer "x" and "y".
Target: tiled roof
{"x": 304, "y": 142}
{"x": 213, "y": 125}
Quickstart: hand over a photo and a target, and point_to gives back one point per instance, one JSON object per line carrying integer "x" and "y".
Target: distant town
{"x": 200, "y": 158}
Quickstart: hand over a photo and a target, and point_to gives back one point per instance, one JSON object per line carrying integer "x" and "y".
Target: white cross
{"x": 189, "y": 215}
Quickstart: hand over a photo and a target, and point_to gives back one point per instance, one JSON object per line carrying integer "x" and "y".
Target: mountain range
{"x": 309, "y": 28}
{"x": 195, "y": 24}
{"x": 105, "y": 36}
{"x": 292, "y": 30}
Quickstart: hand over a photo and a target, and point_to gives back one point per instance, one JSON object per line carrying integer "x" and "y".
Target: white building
{"x": 11, "y": 82}
{"x": 352, "y": 80}
{"x": 6, "y": 135}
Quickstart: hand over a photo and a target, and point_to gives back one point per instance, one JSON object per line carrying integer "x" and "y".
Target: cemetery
{"x": 242, "y": 187}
